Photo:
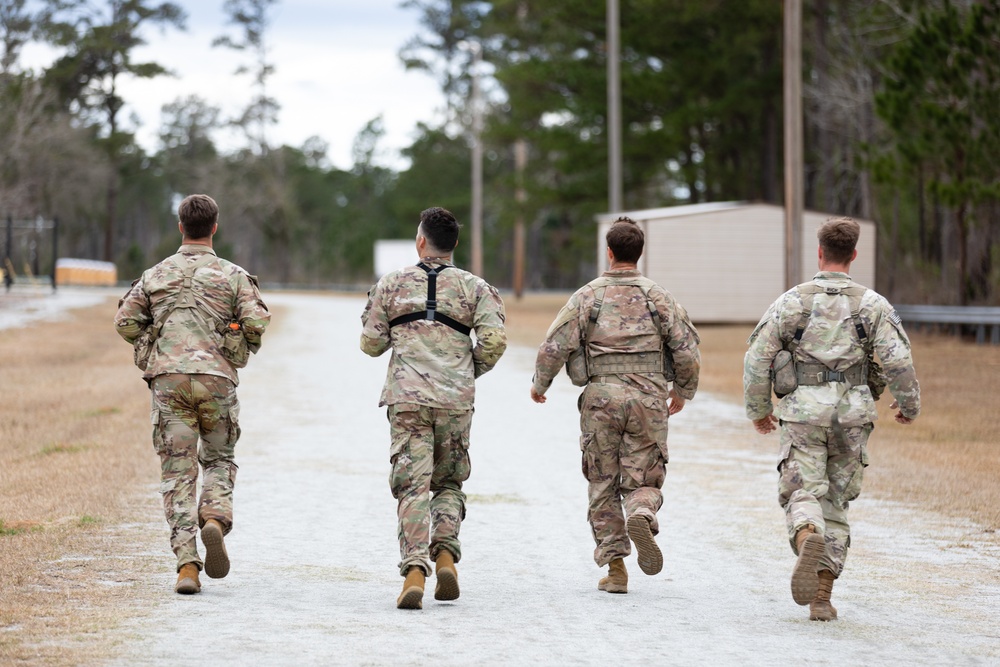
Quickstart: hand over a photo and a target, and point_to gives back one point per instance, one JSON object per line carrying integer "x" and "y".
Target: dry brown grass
{"x": 948, "y": 460}
{"x": 75, "y": 449}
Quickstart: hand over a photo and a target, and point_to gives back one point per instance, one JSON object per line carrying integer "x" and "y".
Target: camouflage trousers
{"x": 624, "y": 444}
{"x": 430, "y": 460}
{"x": 819, "y": 474}
{"x": 186, "y": 409}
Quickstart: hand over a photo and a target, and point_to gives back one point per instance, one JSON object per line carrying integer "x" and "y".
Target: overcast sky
{"x": 337, "y": 67}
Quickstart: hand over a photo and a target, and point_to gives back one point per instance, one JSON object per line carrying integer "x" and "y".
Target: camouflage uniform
{"x": 193, "y": 385}
{"x": 430, "y": 391}
{"x": 825, "y": 427}
{"x": 623, "y": 417}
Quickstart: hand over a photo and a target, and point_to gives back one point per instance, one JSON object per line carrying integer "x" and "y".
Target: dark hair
{"x": 838, "y": 237}
{"x": 198, "y": 213}
{"x": 625, "y": 238}
{"x": 440, "y": 228}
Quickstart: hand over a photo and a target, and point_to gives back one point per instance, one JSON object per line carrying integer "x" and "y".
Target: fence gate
{"x": 30, "y": 250}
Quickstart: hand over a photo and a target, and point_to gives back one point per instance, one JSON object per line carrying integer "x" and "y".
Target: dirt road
{"x": 314, "y": 576}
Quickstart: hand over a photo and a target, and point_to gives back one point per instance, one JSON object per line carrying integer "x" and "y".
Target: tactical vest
{"x": 233, "y": 346}
{"x": 581, "y": 367}
{"x": 811, "y": 374}
{"x": 430, "y": 311}
{"x": 144, "y": 344}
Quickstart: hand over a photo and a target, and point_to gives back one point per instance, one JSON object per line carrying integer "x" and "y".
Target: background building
{"x": 724, "y": 262}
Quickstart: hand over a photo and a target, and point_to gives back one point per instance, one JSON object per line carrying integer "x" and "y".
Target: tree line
{"x": 900, "y": 128}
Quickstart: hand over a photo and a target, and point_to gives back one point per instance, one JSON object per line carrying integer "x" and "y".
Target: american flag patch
{"x": 894, "y": 318}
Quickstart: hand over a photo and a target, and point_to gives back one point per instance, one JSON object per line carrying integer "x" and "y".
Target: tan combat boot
{"x": 649, "y": 556}
{"x": 216, "y": 558}
{"x": 447, "y": 577}
{"x": 413, "y": 590}
{"x": 810, "y": 546}
{"x": 187, "y": 580}
{"x": 820, "y": 608}
{"x": 617, "y": 579}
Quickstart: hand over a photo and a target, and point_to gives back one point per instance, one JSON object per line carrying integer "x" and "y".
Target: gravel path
{"x": 314, "y": 576}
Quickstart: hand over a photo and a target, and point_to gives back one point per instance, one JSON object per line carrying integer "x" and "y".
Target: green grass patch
{"x": 60, "y": 448}
{"x": 101, "y": 412}
{"x": 4, "y": 530}
{"x": 87, "y": 520}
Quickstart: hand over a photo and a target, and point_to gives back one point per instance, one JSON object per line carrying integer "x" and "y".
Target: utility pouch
{"x": 142, "y": 347}
{"x": 234, "y": 345}
{"x": 668, "y": 364}
{"x": 576, "y": 367}
{"x": 783, "y": 374}
{"x": 877, "y": 379}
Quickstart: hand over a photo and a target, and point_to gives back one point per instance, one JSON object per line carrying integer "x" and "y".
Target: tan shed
{"x": 724, "y": 262}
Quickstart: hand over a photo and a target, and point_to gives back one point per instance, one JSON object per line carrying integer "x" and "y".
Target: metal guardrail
{"x": 979, "y": 317}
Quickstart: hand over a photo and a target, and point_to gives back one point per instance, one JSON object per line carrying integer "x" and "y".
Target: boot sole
{"x": 650, "y": 557}
{"x": 447, "y": 585}
{"x": 829, "y": 614}
{"x": 187, "y": 587}
{"x": 613, "y": 588}
{"x": 216, "y": 558}
{"x": 805, "y": 579}
{"x": 411, "y": 598}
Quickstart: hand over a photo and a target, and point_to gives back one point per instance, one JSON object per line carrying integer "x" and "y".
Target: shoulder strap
{"x": 595, "y": 312}
{"x": 430, "y": 312}
{"x": 807, "y": 292}
{"x": 854, "y": 293}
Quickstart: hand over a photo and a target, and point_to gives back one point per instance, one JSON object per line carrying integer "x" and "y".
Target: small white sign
{"x": 394, "y": 254}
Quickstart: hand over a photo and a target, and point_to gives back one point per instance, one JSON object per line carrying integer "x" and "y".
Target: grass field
{"x": 77, "y": 467}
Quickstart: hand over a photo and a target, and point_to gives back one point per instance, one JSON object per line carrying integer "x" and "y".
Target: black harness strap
{"x": 431, "y": 312}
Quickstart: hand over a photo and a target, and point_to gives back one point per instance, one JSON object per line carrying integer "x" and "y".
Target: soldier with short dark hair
{"x": 816, "y": 345}
{"x": 426, "y": 314}
{"x": 193, "y": 320}
{"x": 627, "y": 340}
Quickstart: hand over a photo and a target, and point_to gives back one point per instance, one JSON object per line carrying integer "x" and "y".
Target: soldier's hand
{"x": 676, "y": 403}
{"x": 536, "y": 397}
{"x": 765, "y": 425}
{"x": 902, "y": 419}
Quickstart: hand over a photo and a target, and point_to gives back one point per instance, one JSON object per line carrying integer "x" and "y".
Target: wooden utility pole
{"x": 794, "y": 190}
{"x": 614, "y": 111}
{"x": 520, "y": 196}
{"x": 477, "y": 164}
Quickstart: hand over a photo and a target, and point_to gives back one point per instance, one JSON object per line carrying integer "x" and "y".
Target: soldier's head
{"x": 439, "y": 229}
{"x": 625, "y": 240}
{"x": 838, "y": 239}
{"x": 198, "y": 215}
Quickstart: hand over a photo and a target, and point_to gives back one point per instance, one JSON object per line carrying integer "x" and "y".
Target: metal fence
{"x": 955, "y": 318}
{"x": 30, "y": 250}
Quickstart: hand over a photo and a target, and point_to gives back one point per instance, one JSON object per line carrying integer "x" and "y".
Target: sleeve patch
{"x": 895, "y": 319}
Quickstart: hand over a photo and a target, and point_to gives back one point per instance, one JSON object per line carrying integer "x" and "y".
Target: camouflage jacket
{"x": 189, "y": 340}
{"x": 432, "y": 364}
{"x": 625, "y": 325}
{"x": 829, "y": 339}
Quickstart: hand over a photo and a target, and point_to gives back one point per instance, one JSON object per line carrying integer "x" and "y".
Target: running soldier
{"x": 193, "y": 319}
{"x": 425, "y": 314}
{"x": 816, "y": 345}
{"x": 626, "y": 339}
